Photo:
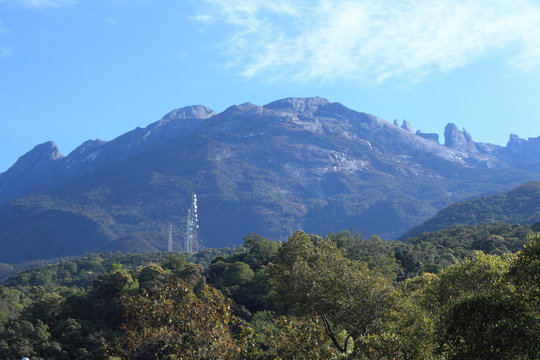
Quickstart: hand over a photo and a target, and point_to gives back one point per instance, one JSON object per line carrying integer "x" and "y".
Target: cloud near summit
{"x": 373, "y": 41}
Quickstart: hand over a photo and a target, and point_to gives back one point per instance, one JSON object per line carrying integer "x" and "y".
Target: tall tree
{"x": 311, "y": 276}
{"x": 172, "y": 320}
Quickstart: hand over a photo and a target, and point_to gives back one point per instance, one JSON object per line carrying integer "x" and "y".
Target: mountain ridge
{"x": 295, "y": 163}
{"x": 460, "y": 142}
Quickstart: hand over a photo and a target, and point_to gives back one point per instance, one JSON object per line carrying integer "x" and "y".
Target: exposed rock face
{"x": 37, "y": 159}
{"x": 298, "y": 104}
{"x": 428, "y": 136}
{"x": 190, "y": 112}
{"x": 524, "y": 150}
{"x": 467, "y": 135}
{"x": 458, "y": 140}
{"x": 516, "y": 145}
{"x": 86, "y": 152}
{"x": 407, "y": 126}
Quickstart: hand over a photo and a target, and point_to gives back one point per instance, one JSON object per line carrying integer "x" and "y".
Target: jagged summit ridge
{"x": 181, "y": 120}
{"x": 458, "y": 140}
{"x": 314, "y": 115}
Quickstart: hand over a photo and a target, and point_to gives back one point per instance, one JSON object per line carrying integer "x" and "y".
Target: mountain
{"x": 296, "y": 163}
{"x": 44, "y": 166}
{"x": 517, "y": 206}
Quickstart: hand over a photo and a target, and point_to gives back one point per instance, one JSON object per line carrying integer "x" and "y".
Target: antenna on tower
{"x": 170, "y": 246}
{"x": 192, "y": 224}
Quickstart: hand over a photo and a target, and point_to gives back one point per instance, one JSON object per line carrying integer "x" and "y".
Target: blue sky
{"x": 72, "y": 70}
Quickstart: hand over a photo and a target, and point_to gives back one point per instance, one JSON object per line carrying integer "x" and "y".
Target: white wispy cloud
{"x": 5, "y": 52}
{"x": 374, "y": 40}
{"x": 39, "y": 4}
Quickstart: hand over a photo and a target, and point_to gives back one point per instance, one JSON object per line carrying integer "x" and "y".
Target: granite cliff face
{"x": 524, "y": 150}
{"x": 294, "y": 163}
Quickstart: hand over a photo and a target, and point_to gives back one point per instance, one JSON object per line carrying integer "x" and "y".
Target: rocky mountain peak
{"x": 458, "y": 140}
{"x": 297, "y": 104}
{"x": 37, "y": 158}
{"x": 43, "y": 152}
{"x": 190, "y": 112}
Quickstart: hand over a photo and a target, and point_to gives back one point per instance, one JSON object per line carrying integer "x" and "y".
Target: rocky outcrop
{"x": 428, "y": 136}
{"x": 524, "y": 150}
{"x": 190, "y": 112}
{"x": 37, "y": 159}
{"x": 458, "y": 140}
{"x": 298, "y": 104}
{"x": 407, "y": 126}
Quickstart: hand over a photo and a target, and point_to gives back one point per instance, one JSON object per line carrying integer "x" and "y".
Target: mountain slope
{"x": 518, "y": 206}
{"x": 44, "y": 166}
{"x": 294, "y": 163}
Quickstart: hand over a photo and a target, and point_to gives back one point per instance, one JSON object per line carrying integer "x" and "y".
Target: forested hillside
{"x": 518, "y": 206}
{"x": 454, "y": 294}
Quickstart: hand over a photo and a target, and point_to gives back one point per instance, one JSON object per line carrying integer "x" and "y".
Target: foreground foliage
{"x": 340, "y": 297}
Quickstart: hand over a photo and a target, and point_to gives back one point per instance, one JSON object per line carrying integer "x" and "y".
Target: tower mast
{"x": 192, "y": 224}
{"x": 170, "y": 245}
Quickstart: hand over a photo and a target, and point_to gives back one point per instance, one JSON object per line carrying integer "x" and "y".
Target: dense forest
{"x": 517, "y": 206}
{"x": 467, "y": 292}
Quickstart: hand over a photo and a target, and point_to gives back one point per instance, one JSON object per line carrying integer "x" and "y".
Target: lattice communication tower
{"x": 170, "y": 244}
{"x": 191, "y": 240}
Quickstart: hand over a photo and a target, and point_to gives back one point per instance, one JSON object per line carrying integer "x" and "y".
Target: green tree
{"x": 112, "y": 284}
{"x": 525, "y": 270}
{"x": 479, "y": 275}
{"x": 242, "y": 276}
{"x": 313, "y": 278}
{"x": 293, "y": 338}
{"x": 22, "y": 338}
{"x": 477, "y": 312}
{"x": 175, "y": 262}
{"x": 259, "y": 251}
{"x": 377, "y": 253}
{"x": 170, "y": 320}
{"x": 495, "y": 326}
{"x": 237, "y": 273}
